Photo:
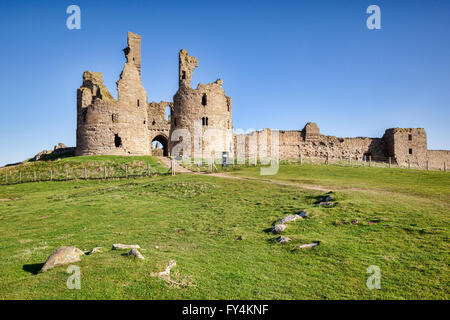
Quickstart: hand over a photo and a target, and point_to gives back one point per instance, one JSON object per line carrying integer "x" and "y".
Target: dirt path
{"x": 310, "y": 187}
{"x": 178, "y": 168}
{"x": 282, "y": 183}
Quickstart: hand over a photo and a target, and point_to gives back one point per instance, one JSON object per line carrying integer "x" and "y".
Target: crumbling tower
{"x": 109, "y": 126}
{"x": 203, "y": 114}
{"x": 133, "y": 50}
{"x": 407, "y": 145}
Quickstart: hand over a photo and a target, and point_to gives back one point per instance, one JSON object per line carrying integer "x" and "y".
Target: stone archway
{"x": 160, "y": 145}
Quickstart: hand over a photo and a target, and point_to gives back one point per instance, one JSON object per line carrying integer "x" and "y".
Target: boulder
{"x": 279, "y": 228}
{"x": 61, "y": 256}
{"x": 136, "y": 253}
{"x": 290, "y": 218}
{"x": 293, "y": 217}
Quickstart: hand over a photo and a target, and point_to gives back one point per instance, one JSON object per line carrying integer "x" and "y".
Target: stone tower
{"x": 407, "y": 145}
{"x": 109, "y": 126}
{"x": 203, "y": 115}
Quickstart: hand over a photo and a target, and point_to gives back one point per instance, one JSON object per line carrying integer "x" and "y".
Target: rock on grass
{"x": 279, "y": 228}
{"x": 283, "y": 239}
{"x": 136, "y": 253}
{"x": 293, "y": 217}
{"x": 61, "y": 256}
{"x": 119, "y": 246}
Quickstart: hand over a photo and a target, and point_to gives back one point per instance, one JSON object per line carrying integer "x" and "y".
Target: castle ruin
{"x": 200, "y": 124}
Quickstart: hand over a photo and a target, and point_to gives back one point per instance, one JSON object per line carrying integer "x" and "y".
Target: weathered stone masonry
{"x": 402, "y": 145}
{"x": 129, "y": 125}
{"x": 205, "y": 113}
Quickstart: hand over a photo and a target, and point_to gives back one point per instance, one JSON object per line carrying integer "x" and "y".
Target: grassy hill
{"x": 76, "y": 167}
{"x": 217, "y": 229}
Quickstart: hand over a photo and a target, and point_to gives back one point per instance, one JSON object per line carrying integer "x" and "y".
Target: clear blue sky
{"x": 284, "y": 63}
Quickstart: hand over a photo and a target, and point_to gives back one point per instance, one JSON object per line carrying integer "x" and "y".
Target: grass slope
{"x": 74, "y": 167}
{"x": 403, "y": 227}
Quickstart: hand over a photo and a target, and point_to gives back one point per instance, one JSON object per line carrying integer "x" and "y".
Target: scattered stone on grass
{"x": 136, "y": 253}
{"x": 283, "y": 239}
{"x": 290, "y": 218}
{"x": 166, "y": 272}
{"x": 239, "y": 238}
{"x": 1, "y": 200}
{"x": 356, "y": 221}
{"x": 118, "y": 246}
{"x": 61, "y": 256}
{"x": 293, "y": 217}
{"x": 279, "y": 228}
{"x": 307, "y": 246}
{"x": 94, "y": 250}
{"x": 165, "y": 275}
{"x": 328, "y": 204}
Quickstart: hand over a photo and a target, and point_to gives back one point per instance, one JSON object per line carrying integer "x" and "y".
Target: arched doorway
{"x": 160, "y": 146}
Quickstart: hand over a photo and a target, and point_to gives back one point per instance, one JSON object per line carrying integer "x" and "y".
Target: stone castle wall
{"x": 205, "y": 113}
{"x": 437, "y": 158}
{"x": 158, "y": 126}
{"x": 294, "y": 143}
{"x": 107, "y": 126}
{"x": 126, "y": 126}
{"x": 405, "y": 146}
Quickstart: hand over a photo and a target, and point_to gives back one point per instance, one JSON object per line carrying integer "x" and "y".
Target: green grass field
{"x": 392, "y": 218}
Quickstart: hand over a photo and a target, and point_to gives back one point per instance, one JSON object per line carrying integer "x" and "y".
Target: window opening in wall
{"x": 205, "y": 121}
{"x": 410, "y": 151}
{"x": 84, "y": 115}
{"x": 175, "y": 121}
{"x": 168, "y": 113}
{"x": 409, "y": 137}
{"x": 183, "y": 75}
{"x": 117, "y": 140}
{"x": 138, "y": 103}
{"x": 204, "y": 100}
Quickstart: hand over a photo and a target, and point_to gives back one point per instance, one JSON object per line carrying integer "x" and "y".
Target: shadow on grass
{"x": 33, "y": 268}
{"x": 268, "y": 230}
